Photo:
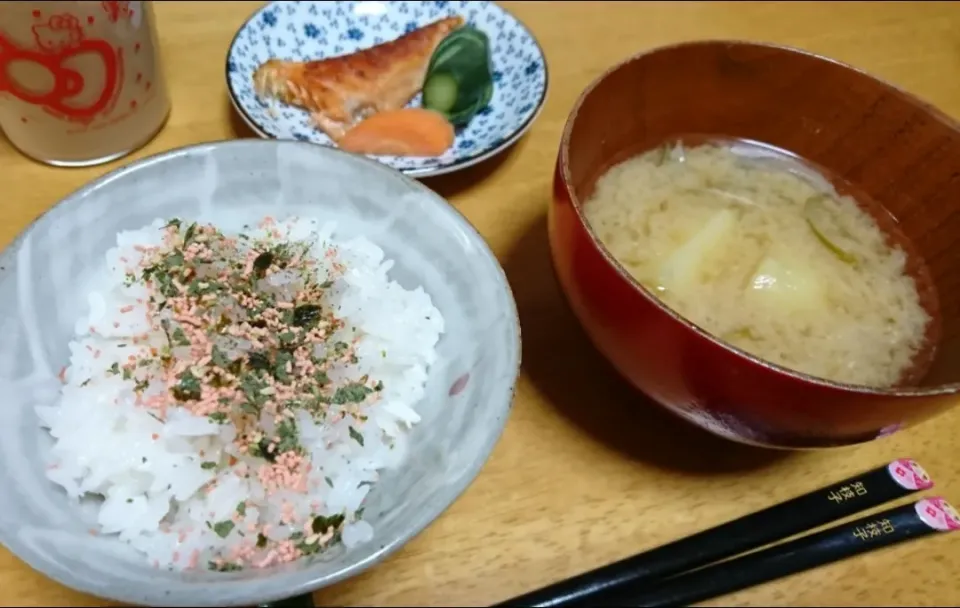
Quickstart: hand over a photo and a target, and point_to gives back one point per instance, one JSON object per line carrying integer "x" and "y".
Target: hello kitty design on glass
{"x": 426, "y": 88}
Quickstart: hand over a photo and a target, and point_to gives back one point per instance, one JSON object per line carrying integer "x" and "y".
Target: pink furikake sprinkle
{"x": 248, "y": 340}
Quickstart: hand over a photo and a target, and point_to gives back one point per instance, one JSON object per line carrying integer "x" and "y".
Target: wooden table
{"x": 586, "y": 472}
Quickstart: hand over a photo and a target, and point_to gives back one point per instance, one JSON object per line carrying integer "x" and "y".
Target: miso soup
{"x": 767, "y": 258}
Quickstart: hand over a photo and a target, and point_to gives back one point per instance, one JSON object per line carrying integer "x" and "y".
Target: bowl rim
{"x": 463, "y": 163}
{"x": 290, "y": 583}
{"x": 577, "y": 205}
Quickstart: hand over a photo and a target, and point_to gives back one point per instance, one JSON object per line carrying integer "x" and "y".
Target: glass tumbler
{"x": 81, "y": 83}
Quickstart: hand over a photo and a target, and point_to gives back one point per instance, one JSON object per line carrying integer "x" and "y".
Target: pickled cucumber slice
{"x": 459, "y": 80}
{"x": 486, "y": 96}
{"x": 454, "y": 43}
{"x": 440, "y": 92}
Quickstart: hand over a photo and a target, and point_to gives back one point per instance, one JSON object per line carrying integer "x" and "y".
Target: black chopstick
{"x": 296, "y": 601}
{"x": 907, "y": 522}
{"x": 859, "y": 493}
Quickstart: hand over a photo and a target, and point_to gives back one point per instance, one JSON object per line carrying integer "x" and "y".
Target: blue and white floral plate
{"x": 304, "y": 31}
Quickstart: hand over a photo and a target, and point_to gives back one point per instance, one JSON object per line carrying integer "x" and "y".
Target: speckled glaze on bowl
{"x": 468, "y": 395}
{"x": 873, "y": 139}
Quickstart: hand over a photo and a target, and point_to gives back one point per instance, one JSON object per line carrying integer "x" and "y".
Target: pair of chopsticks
{"x": 686, "y": 571}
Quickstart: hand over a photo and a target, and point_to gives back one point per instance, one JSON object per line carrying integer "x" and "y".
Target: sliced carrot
{"x": 406, "y": 132}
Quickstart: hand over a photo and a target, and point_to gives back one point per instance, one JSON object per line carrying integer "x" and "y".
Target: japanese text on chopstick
{"x": 847, "y": 492}
{"x": 874, "y": 529}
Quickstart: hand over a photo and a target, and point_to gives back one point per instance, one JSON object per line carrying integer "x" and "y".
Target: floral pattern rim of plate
{"x": 311, "y": 30}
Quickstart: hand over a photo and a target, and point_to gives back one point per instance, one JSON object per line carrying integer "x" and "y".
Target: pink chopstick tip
{"x": 909, "y": 474}
{"x": 937, "y": 513}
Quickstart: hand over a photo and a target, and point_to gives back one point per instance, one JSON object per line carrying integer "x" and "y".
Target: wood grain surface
{"x": 587, "y": 471}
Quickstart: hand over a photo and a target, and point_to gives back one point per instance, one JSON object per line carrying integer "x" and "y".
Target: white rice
{"x": 149, "y": 473}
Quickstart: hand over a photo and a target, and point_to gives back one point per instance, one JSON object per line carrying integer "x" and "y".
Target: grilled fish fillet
{"x": 341, "y": 91}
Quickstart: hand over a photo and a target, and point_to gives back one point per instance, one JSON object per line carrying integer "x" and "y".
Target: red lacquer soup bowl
{"x": 869, "y": 138}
